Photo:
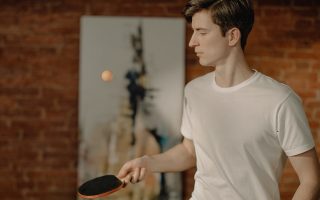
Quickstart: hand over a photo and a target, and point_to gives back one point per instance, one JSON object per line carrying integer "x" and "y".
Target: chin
{"x": 206, "y": 64}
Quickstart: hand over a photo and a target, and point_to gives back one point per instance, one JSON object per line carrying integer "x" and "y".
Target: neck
{"x": 233, "y": 71}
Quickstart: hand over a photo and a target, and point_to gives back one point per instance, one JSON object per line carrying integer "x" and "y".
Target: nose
{"x": 193, "y": 41}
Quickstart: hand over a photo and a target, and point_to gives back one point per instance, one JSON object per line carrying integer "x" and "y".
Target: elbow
{"x": 313, "y": 185}
{"x": 190, "y": 152}
{"x": 310, "y": 179}
{"x": 193, "y": 160}
{"x": 190, "y": 160}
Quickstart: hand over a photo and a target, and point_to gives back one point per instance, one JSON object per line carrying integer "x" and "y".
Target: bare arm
{"x": 307, "y": 168}
{"x": 178, "y": 158}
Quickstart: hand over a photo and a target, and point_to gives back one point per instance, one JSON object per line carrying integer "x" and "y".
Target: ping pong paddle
{"x": 100, "y": 187}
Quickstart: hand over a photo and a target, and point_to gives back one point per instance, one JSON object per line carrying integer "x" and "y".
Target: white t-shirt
{"x": 242, "y": 136}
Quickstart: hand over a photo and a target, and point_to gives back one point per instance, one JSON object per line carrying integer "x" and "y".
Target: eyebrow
{"x": 201, "y": 29}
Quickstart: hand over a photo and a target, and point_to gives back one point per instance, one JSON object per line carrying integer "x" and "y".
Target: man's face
{"x": 209, "y": 44}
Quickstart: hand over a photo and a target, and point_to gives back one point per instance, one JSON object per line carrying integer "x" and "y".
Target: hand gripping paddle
{"x": 100, "y": 187}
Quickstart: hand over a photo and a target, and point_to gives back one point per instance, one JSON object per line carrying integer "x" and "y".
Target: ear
{"x": 234, "y": 36}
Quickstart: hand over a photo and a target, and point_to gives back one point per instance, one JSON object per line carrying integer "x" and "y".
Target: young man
{"x": 239, "y": 126}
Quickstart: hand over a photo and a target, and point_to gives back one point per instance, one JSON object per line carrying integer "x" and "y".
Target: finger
{"x": 124, "y": 184}
{"x": 126, "y": 180}
{"x": 143, "y": 172}
{"x": 136, "y": 175}
{"x": 124, "y": 171}
{"x": 122, "y": 174}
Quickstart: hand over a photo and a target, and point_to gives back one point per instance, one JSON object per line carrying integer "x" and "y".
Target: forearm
{"x": 307, "y": 191}
{"x": 174, "y": 160}
{"x": 307, "y": 167}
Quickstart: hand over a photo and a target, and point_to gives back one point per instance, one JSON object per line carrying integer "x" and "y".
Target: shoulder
{"x": 199, "y": 83}
{"x": 276, "y": 90}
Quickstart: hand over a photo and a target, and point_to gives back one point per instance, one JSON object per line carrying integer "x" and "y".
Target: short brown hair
{"x": 226, "y": 14}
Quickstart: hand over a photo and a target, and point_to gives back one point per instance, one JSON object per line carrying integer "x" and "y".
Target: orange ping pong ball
{"x": 106, "y": 75}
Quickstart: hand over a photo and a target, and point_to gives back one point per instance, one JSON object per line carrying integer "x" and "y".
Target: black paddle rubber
{"x": 101, "y": 186}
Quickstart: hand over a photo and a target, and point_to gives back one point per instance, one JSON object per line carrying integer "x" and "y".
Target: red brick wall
{"x": 39, "y": 53}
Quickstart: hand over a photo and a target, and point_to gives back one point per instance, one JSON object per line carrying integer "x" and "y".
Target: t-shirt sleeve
{"x": 186, "y": 127}
{"x": 292, "y": 126}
